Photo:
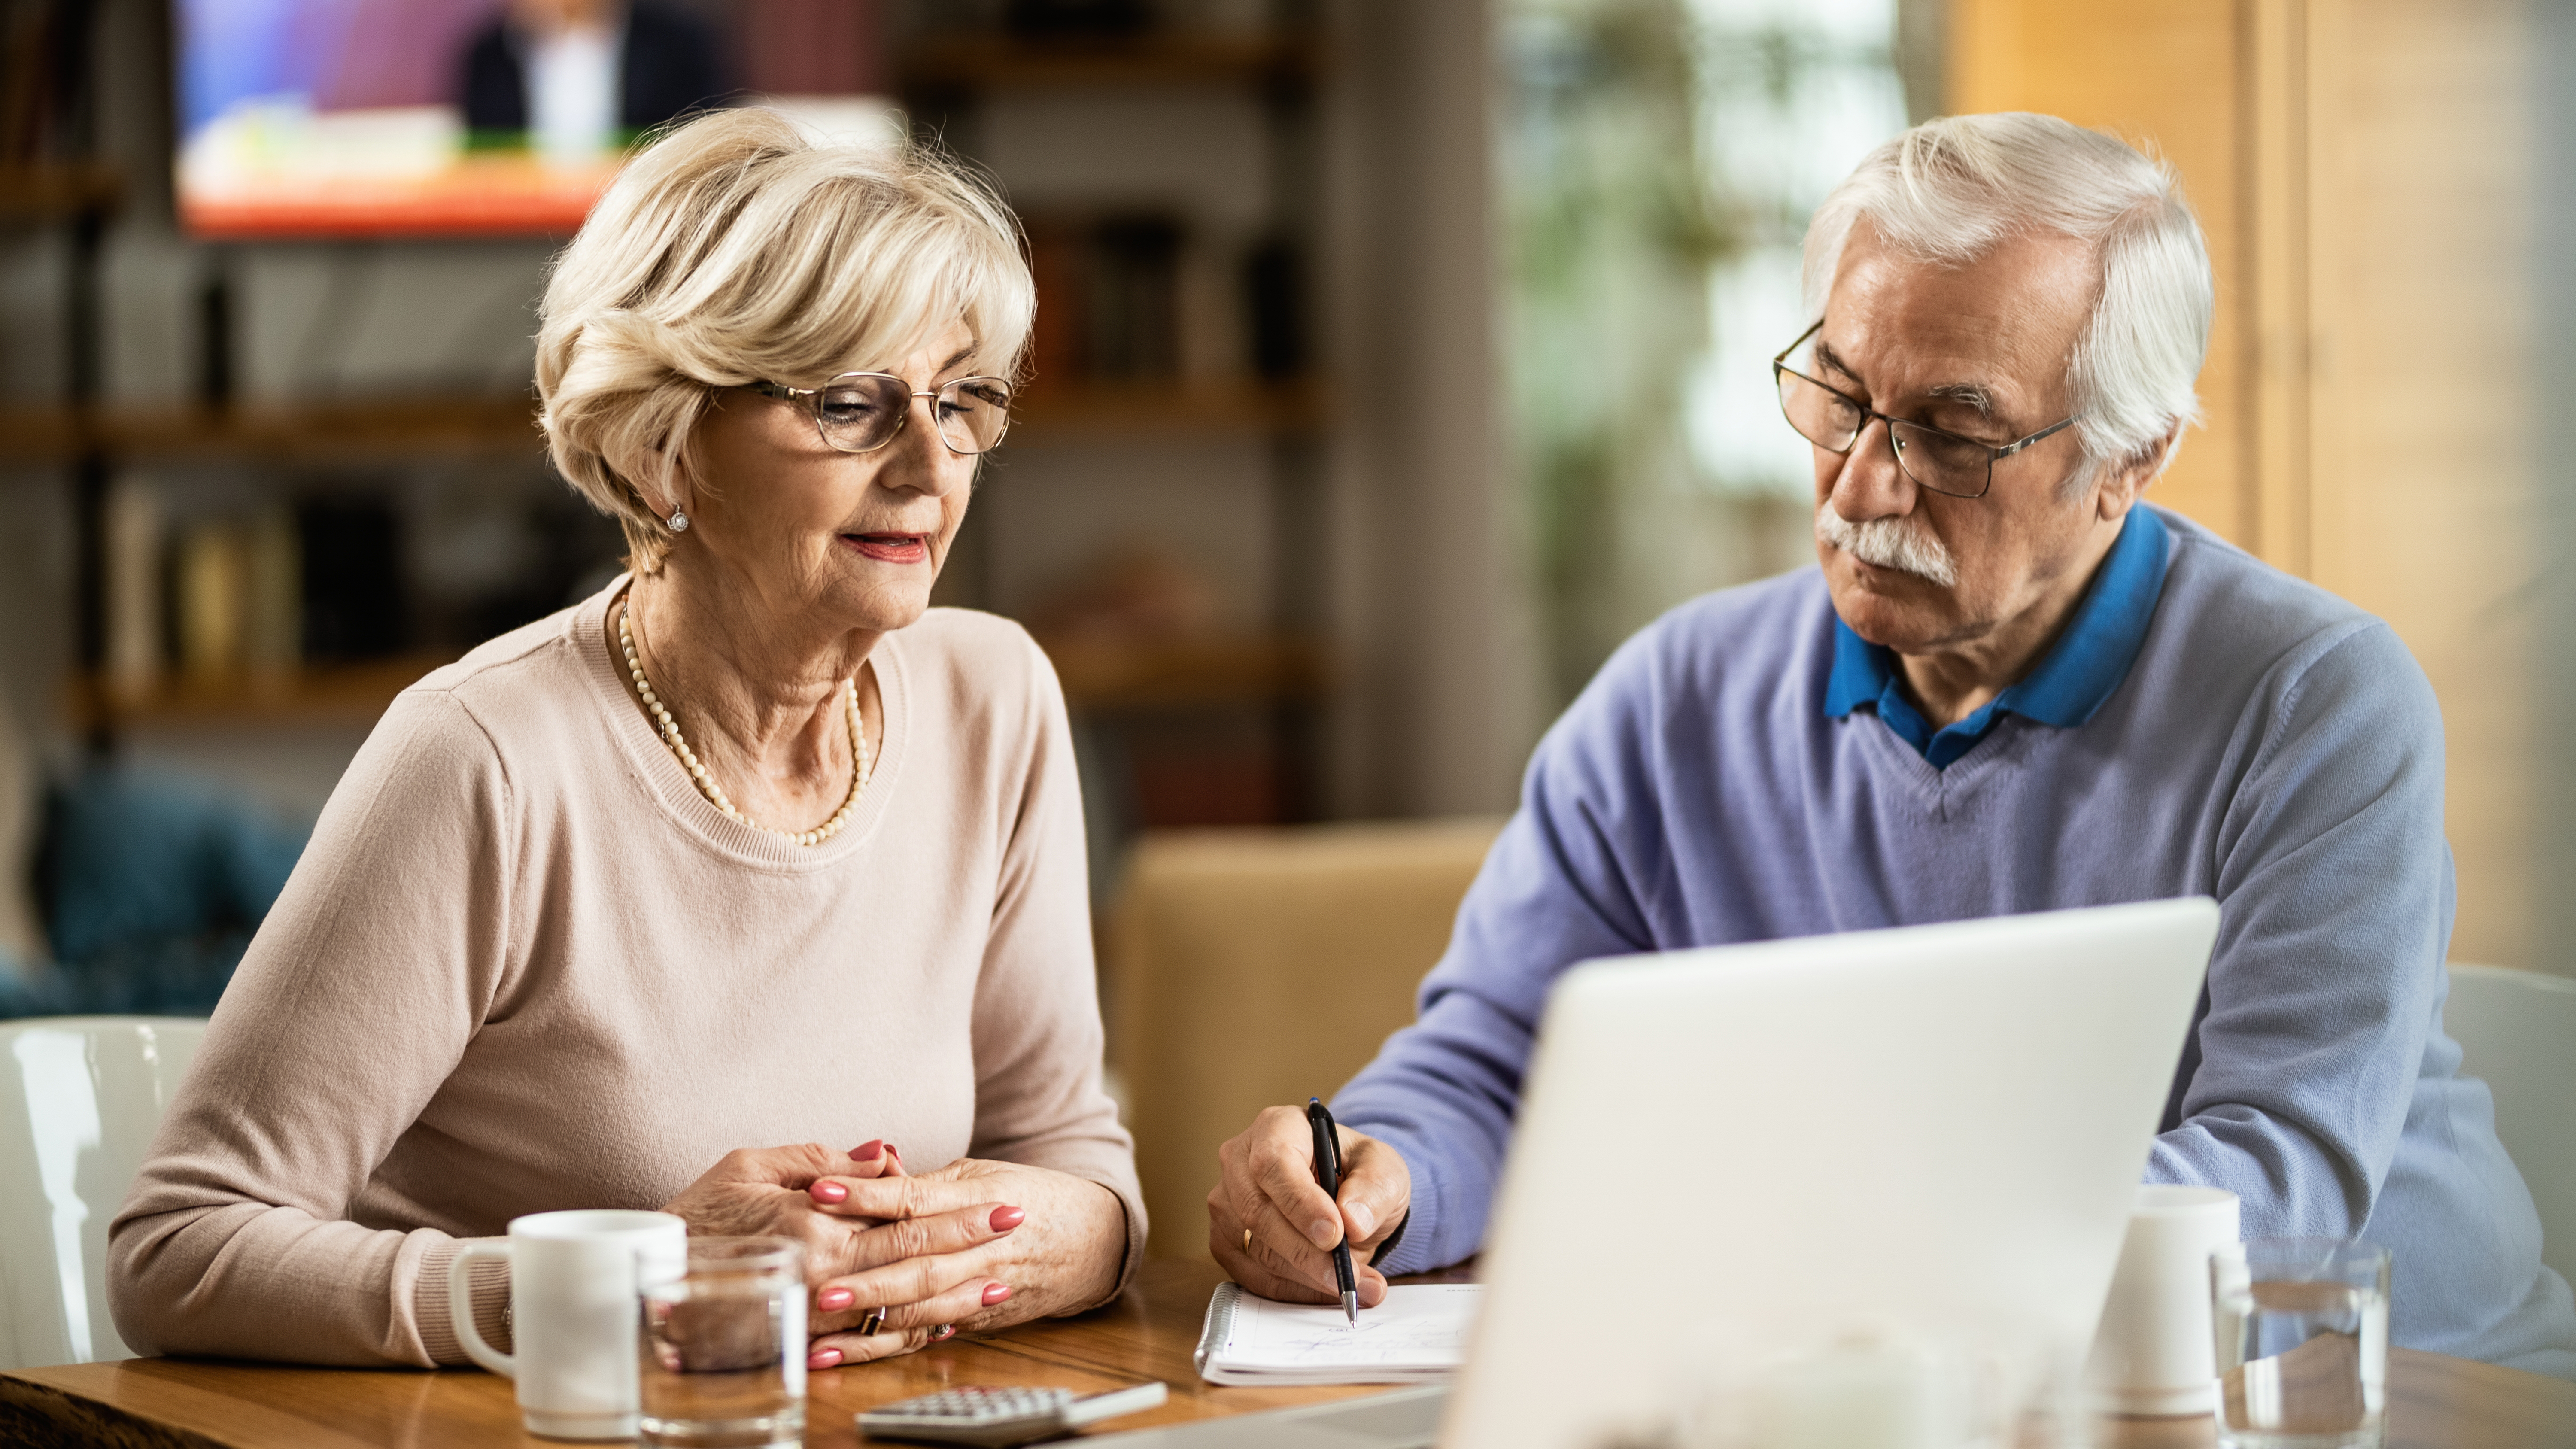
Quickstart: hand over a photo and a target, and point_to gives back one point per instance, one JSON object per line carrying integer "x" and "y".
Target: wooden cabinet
{"x": 2363, "y": 169}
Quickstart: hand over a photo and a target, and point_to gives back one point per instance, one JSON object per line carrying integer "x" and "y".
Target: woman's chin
{"x": 886, "y": 606}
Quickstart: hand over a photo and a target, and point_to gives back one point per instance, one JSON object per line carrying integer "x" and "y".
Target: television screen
{"x": 340, "y": 118}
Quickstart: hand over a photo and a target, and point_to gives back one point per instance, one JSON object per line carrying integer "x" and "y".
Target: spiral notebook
{"x": 1417, "y": 1335}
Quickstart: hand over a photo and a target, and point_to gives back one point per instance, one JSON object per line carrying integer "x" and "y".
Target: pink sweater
{"x": 525, "y": 965}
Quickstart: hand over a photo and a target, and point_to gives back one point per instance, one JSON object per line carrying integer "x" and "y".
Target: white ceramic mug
{"x": 574, "y": 1281}
{"x": 2154, "y": 1352}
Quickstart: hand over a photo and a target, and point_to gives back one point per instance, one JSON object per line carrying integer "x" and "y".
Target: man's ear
{"x": 2123, "y": 485}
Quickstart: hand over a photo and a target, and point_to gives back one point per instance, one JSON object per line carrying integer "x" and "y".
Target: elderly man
{"x": 2010, "y": 687}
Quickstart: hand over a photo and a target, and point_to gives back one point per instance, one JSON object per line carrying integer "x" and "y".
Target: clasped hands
{"x": 976, "y": 1245}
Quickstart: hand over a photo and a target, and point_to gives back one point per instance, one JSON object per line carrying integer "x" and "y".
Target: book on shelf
{"x": 1130, "y": 298}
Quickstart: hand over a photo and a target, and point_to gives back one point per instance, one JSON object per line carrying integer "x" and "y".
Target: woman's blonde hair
{"x": 735, "y": 249}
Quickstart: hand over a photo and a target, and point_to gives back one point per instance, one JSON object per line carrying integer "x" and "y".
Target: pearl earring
{"x": 679, "y": 521}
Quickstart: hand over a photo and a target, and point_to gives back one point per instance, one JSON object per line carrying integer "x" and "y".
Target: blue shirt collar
{"x": 2073, "y": 679}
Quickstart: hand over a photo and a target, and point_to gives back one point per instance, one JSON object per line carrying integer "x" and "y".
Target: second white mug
{"x": 574, "y": 1281}
{"x": 2154, "y": 1352}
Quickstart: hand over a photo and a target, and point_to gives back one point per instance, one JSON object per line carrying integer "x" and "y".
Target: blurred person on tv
{"x": 575, "y": 79}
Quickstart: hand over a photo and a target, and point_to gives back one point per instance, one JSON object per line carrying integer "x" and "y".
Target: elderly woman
{"x": 753, "y": 847}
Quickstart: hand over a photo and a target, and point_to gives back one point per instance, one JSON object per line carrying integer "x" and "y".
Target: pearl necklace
{"x": 707, "y": 783}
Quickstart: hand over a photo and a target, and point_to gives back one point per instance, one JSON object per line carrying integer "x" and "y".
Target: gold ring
{"x": 1247, "y": 1240}
{"x": 870, "y": 1324}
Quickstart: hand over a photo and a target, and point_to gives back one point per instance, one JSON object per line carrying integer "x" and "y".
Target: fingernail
{"x": 866, "y": 1151}
{"x": 828, "y": 1192}
{"x": 833, "y": 1300}
{"x": 995, "y": 1293}
{"x": 1324, "y": 1231}
{"x": 1361, "y": 1218}
{"x": 1006, "y": 1218}
{"x": 822, "y": 1358}
{"x": 893, "y": 1151}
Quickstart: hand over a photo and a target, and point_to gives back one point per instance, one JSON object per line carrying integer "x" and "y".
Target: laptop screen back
{"x": 1741, "y": 1149}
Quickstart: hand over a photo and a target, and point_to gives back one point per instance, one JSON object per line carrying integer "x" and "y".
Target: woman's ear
{"x": 678, "y": 490}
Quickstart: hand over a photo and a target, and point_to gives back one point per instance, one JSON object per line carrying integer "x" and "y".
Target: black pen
{"x": 1328, "y": 1176}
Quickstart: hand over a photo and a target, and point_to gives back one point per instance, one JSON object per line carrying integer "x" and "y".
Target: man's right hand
{"x": 1267, "y": 1186}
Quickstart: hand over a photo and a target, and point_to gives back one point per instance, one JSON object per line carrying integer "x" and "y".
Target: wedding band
{"x": 943, "y": 1333}
{"x": 870, "y": 1324}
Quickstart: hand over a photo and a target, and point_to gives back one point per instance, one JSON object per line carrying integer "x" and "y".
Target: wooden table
{"x": 2438, "y": 1403}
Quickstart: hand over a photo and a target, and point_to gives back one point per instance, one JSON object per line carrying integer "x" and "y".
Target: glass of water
{"x": 724, "y": 1348}
{"x": 2302, "y": 1327}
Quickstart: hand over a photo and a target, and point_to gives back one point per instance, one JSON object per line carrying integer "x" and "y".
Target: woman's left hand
{"x": 1062, "y": 1256}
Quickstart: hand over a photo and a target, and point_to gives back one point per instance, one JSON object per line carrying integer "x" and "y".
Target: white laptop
{"x": 1940, "y": 1126}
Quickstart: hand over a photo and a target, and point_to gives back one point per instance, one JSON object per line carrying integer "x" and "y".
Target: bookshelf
{"x": 1102, "y": 677}
{"x": 412, "y": 426}
{"x": 1172, "y": 324}
{"x": 59, "y": 192}
{"x": 397, "y": 427}
{"x": 975, "y": 62}
{"x": 1128, "y": 412}
{"x": 342, "y": 694}
{"x": 244, "y": 456}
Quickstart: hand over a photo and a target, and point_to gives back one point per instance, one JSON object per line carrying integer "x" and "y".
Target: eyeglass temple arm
{"x": 782, "y": 390}
{"x": 1782, "y": 356}
{"x": 2008, "y": 449}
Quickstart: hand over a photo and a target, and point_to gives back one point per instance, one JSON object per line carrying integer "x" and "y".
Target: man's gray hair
{"x": 1952, "y": 189}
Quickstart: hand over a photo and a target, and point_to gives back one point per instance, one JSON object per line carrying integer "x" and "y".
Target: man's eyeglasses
{"x": 860, "y": 412}
{"x": 1943, "y": 462}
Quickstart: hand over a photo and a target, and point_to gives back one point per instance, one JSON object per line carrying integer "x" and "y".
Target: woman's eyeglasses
{"x": 860, "y": 412}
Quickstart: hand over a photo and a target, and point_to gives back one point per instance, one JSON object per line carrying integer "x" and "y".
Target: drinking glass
{"x": 724, "y": 1348}
{"x": 2302, "y": 1329}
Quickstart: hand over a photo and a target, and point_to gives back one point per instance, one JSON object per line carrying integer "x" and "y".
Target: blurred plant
{"x": 1658, "y": 159}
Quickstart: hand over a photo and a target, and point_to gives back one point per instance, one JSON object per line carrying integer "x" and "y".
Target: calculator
{"x": 1002, "y": 1416}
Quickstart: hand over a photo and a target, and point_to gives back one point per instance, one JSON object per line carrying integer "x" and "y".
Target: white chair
{"x": 79, "y": 1099}
{"x": 2518, "y": 1029}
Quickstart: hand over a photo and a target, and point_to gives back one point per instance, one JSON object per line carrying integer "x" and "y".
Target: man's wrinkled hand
{"x": 1273, "y": 1229}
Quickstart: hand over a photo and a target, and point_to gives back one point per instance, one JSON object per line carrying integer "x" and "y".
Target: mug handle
{"x": 460, "y": 1307}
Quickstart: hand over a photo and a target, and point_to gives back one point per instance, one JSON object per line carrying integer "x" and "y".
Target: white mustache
{"x": 1905, "y": 544}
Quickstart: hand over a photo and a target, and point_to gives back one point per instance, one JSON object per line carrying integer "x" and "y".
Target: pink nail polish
{"x": 833, "y": 1300}
{"x": 1006, "y": 1218}
{"x": 823, "y": 1358}
{"x": 828, "y": 1192}
{"x": 866, "y": 1151}
{"x": 893, "y": 1151}
{"x": 995, "y": 1293}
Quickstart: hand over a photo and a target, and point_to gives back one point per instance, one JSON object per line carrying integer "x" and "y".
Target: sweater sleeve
{"x": 352, "y": 1006}
{"x": 2335, "y": 890}
{"x": 1562, "y": 885}
{"x": 1038, "y": 1093}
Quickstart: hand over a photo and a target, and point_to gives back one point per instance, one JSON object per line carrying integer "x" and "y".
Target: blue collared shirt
{"x": 2074, "y": 677}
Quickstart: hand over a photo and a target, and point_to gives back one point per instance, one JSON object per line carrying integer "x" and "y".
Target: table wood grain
{"x": 2436, "y": 1402}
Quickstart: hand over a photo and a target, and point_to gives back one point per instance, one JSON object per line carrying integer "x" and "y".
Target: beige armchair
{"x": 1249, "y": 968}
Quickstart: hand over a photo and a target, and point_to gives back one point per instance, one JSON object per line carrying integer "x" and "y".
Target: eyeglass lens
{"x": 1938, "y": 461}
{"x": 862, "y": 411}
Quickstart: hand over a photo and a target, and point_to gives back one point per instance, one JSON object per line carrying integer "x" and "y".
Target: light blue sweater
{"x": 2235, "y": 733}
